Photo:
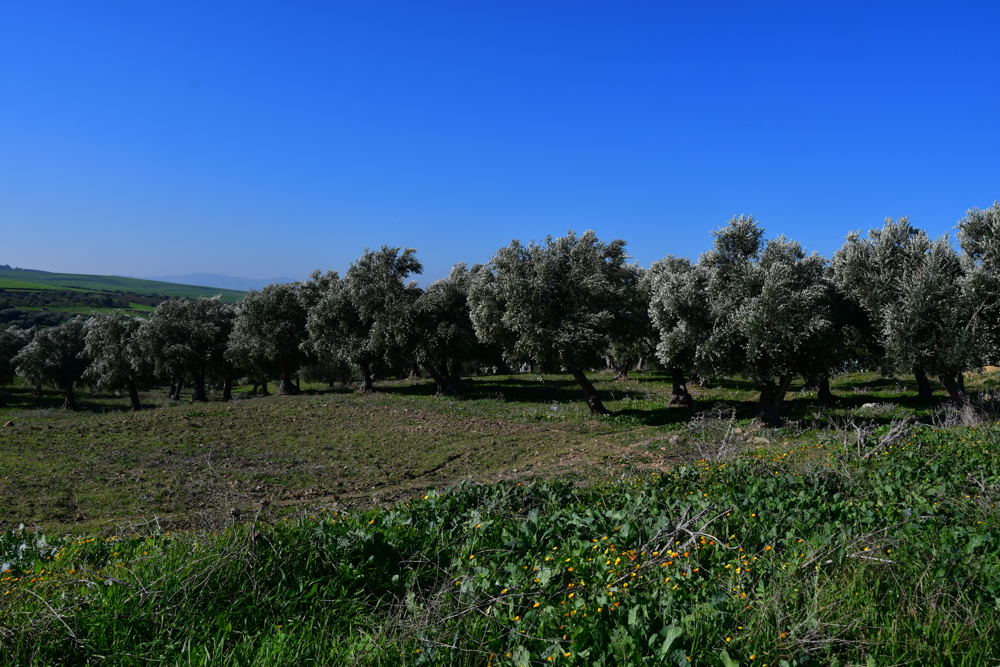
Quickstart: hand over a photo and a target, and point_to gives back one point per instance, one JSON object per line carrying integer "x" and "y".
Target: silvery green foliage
{"x": 446, "y": 341}
{"x": 55, "y": 355}
{"x": 925, "y": 326}
{"x": 12, "y": 340}
{"x": 117, "y": 360}
{"x": 679, "y": 309}
{"x": 557, "y": 303}
{"x": 268, "y": 332}
{"x": 979, "y": 237}
{"x": 920, "y": 296}
{"x": 367, "y": 317}
{"x": 869, "y": 272}
{"x": 188, "y": 338}
{"x": 635, "y": 338}
{"x": 772, "y": 311}
{"x": 311, "y": 291}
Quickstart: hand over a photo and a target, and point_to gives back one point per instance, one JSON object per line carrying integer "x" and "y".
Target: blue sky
{"x": 271, "y": 139}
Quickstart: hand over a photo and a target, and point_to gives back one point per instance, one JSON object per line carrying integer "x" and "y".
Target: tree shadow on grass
{"x": 52, "y": 401}
{"x": 734, "y": 384}
{"x": 511, "y": 389}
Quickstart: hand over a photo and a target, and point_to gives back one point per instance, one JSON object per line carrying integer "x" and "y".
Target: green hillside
{"x": 29, "y": 279}
{"x": 41, "y": 298}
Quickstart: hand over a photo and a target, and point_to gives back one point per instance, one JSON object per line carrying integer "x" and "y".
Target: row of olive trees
{"x": 761, "y": 309}
{"x": 893, "y": 299}
{"x": 371, "y": 318}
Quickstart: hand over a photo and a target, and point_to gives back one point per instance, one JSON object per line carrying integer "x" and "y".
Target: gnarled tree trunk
{"x": 924, "y": 392}
{"x": 199, "y": 387}
{"x": 366, "y": 378}
{"x": 622, "y": 369}
{"x": 679, "y": 393}
{"x": 954, "y": 384}
{"x": 36, "y": 390}
{"x": 771, "y": 397}
{"x": 439, "y": 375}
{"x": 133, "y": 395}
{"x": 175, "y": 389}
{"x": 227, "y": 388}
{"x": 823, "y": 392}
{"x": 69, "y": 399}
{"x": 287, "y": 386}
{"x": 593, "y": 400}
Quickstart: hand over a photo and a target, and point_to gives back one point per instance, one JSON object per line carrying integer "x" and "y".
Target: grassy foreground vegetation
{"x": 200, "y": 534}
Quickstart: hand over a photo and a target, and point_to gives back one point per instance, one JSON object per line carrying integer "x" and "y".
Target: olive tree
{"x": 558, "y": 303}
{"x": 55, "y": 355}
{"x": 12, "y": 341}
{"x": 771, "y": 312}
{"x": 189, "y": 338}
{"x": 117, "y": 359}
{"x": 928, "y": 325}
{"x": 268, "y": 332}
{"x": 367, "y": 317}
{"x": 446, "y": 341}
{"x": 680, "y": 312}
{"x": 979, "y": 238}
{"x": 635, "y": 339}
{"x": 870, "y": 271}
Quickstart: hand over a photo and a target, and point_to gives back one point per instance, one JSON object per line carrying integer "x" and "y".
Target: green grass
{"x": 751, "y": 560}
{"x": 300, "y": 530}
{"x": 184, "y": 463}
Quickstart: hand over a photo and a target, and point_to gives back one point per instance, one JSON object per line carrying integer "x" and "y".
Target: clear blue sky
{"x": 270, "y": 139}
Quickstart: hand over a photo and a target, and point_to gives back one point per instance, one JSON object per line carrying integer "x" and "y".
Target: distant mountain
{"x": 225, "y": 282}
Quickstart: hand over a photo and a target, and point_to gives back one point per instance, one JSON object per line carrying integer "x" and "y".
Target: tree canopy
{"x": 680, "y": 313}
{"x": 55, "y": 355}
{"x": 368, "y": 316}
{"x": 445, "y": 339}
{"x": 188, "y": 338}
{"x": 558, "y": 304}
{"x": 268, "y": 332}
{"x": 117, "y": 360}
{"x": 772, "y": 311}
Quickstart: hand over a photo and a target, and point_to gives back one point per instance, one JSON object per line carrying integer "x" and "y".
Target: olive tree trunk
{"x": 924, "y": 392}
{"x": 199, "y": 387}
{"x": 439, "y": 375}
{"x": 593, "y": 400}
{"x": 679, "y": 394}
{"x": 69, "y": 398}
{"x": 175, "y": 389}
{"x": 287, "y": 386}
{"x": 772, "y": 395}
{"x": 622, "y": 369}
{"x": 366, "y": 378}
{"x": 133, "y": 395}
{"x": 823, "y": 392}
{"x": 954, "y": 384}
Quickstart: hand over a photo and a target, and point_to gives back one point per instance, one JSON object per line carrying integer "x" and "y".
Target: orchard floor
{"x": 104, "y": 470}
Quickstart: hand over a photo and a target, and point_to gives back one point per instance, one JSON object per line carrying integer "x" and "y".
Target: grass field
{"x": 304, "y": 530}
